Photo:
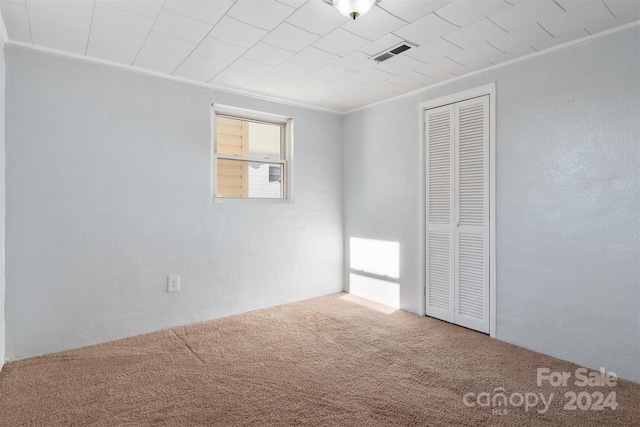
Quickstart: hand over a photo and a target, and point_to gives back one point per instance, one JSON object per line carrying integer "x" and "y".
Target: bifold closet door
{"x": 457, "y": 241}
{"x": 440, "y": 198}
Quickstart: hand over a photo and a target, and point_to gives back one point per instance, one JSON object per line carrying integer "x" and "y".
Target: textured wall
{"x": 2, "y": 291}
{"x": 568, "y": 198}
{"x": 108, "y": 192}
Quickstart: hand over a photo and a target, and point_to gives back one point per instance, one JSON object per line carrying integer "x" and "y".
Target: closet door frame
{"x": 489, "y": 89}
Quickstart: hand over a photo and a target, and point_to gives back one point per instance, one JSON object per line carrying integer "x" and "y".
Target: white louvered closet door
{"x": 458, "y": 213}
{"x": 440, "y": 204}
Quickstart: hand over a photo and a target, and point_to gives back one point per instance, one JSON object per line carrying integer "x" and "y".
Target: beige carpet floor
{"x": 334, "y": 360}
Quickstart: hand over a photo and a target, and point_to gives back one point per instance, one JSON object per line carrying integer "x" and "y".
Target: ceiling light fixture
{"x": 353, "y": 8}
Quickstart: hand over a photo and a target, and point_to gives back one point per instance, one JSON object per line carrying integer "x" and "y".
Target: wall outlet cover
{"x": 173, "y": 284}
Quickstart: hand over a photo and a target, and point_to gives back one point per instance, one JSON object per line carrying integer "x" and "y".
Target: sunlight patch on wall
{"x": 378, "y": 257}
{"x": 380, "y": 291}
{"x": 375, "y": 270}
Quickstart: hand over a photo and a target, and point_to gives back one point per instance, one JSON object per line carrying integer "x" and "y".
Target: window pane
{"x": 233, "y": 178}
{"x": 260, "y": 183}
{"x": 275, "y": 173}
{"x": 248, "y": 139}
{"x": 232, "y": 137}
{"x": 264, "y": 140}
{"x": 239, "y": 178}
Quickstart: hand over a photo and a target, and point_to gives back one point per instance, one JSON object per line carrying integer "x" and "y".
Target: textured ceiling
{"x": 304, "y": 50}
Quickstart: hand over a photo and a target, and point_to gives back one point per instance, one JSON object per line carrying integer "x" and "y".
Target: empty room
{"x": 320, "y": 212}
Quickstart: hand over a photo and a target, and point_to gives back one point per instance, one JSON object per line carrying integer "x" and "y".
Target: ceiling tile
{"x": 613, "y": 23}
{"x": 425, "y": 29}
{"x": 411, "y": 10}
{"x": 61, "y": 25}
{"x": 435, "y": 49}
{"x": 624, "y": 9}
{"x": 219, "y": 50}
{"x": 399, "y": 64}
{"x": 231, "y": 79}
{"x": 288, "y": 37}
{"x": 169, "y": 45}
{"x": 207, "y": 11}
{"x": 200, "y": 68}
{"x": 382, "y": 44}
{"x": 317, "y": 17}
{"x": 121, "y": 21}
{"x": 18, "y": 33}
{"x": 292, "y": 3}
{"x": 237, "y": 33}
{"x": 14, "y": 12}
{"x": 443, "y": 67}
{"x": 386, "y": 89}
{"x": 294, "y": 93}
{"x": 332, "y": 73}
{"x": 443, "y": 78}
{"x": 374, "y": 25}
{"x": 411, "y": 80}
{"x": 519, "y": 42}
{"x": 479, "y": 56}
{"x": 266, "y": 54}
{"x": 181, "y": 27}
{"x": 350, "y": 99}
{"x": 576, "y": 33}
{"x": 356, "y": 61}
{"x": 65, "y": 12}
{"x": 265, "y": 14}
{"x": 340, "y": 42}
{"x": 249, "y": 68}
{"x": 379, "y": 95}
{"x": 476, "y": 33}
{"x": 291, "y": 70}
{"x": 314, "y": 58}
{"x": 141, "y": 7}
{"x": 340, "y": 104}
{"x": 157, "y": 61}
{"x": 465, "y": 12}
{"x": 576, "y": 19}
{"x": 526, "y": 13}
{"x": 311, "y": 84}
{"x": 60, "y": 37}
{"x": 268, "y": 84}
{"x": 371, "y": 76}
{"x": 349, "y": 87}
{"x": 332, "y": 102}
{"x": 113, "y": 46}
{"x": 573, "y": 4}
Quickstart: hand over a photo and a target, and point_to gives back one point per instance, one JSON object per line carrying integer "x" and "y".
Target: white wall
{"x": 568, "y": 198}
{"x": 2, "y": 291}
{"x": 108, "y": 192}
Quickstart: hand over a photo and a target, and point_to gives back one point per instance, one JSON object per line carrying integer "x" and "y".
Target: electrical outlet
{"x": 173, "y": 284}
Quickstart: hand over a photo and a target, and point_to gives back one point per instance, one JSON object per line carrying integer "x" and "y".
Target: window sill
{"x": 242, "y": 200}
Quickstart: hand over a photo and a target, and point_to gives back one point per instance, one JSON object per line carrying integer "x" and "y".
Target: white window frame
{"x": 286, "y": 151}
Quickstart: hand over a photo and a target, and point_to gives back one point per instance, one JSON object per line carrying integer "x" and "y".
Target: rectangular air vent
{"x": 383, "y": 57}
{"x": 390, "y": 53}
{"x": 400, "y": 49}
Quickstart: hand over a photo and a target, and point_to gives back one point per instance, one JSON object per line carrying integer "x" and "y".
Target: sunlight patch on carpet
{"x": 382, "y": 308}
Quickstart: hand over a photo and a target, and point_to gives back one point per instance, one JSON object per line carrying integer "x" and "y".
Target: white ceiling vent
{"x": 390, "y": 53}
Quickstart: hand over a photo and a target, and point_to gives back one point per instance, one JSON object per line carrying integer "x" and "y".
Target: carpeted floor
{"x": 334, "y": 360}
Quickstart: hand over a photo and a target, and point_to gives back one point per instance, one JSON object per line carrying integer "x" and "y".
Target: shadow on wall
{"x": 374, "y": 270}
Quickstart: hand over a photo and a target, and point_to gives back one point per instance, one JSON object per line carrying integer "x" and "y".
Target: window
{"x": 274, "y": 174}
{"x": 252, "y": 154}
